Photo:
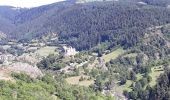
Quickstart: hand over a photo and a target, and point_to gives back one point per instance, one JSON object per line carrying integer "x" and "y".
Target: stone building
{"x": 69, "y": 51}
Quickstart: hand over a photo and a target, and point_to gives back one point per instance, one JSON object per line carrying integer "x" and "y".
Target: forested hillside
{"x": 7, "y": 17}
{"x": 107, "y": 21}
{"x": 163, "y": 3}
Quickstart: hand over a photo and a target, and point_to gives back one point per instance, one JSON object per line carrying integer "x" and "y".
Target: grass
{"x": 139, "y": 76}
{"x": 91, "y": 66}
{"x": 126, "y": 87}
{"x": 75, "y": 81}
{"x": 155, "y": 73}
{"x": 131, "y": 55}
{"x": 113, "y": 55}
{"x": 45, "y": 51}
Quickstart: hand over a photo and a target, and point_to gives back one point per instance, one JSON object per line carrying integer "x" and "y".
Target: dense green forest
{"x": 107, "y": 21}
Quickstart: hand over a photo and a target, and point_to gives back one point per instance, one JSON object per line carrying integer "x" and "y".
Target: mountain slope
{"x": 109, "y": 21}
{"x": 7, "y": 17}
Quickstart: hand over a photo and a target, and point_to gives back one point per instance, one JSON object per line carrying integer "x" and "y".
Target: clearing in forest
{"x": 131, "y": 55}
{"x": 76, "y": 81}
{"x": 45, "y": 51}
{"x": 155, "y": 73}
{"x": 121, "y": 88}
{"x": 113, "y": 55}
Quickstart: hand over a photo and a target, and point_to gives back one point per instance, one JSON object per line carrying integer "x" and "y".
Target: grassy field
{"x": 113, "y": 55}
{"x": 154, "y": 74}
{"x": 45, "y": 51}
{"x": 156, "y": 71}
{"x": 75, "y": 81}
{"x": 139, "y": 76}
{"x": 126, "y": 87}
{"x": 131, "y": 55}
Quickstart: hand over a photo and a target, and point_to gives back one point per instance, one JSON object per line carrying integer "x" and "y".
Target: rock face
{"x": 69, "y": 51}
{"x": 27, "y": 59}
{"x": 18, "y": 67}
{"x": 32, "y": 71}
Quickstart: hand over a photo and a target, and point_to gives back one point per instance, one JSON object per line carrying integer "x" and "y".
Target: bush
{"x": 22, "y": 77}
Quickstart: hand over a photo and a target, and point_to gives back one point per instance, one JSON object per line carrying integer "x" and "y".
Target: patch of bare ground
{"x": 32, "y": 71}
{"x": 5, "y": 74}
{"x": 28, "y": 59}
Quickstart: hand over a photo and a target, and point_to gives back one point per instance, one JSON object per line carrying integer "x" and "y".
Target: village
{"x": 33, "y": 53}
{"x": 75, "y": 67}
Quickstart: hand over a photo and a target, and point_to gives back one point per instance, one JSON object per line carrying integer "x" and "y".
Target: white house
{"x": 69, "y": 51}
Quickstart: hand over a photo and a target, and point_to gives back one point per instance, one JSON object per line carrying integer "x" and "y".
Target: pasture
{"x": 113, "y": 55}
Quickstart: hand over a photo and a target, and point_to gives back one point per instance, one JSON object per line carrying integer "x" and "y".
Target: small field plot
{"x": 131, "y": 55}
{"x": 126, "y": 87}
{"x": 76, "y": 81}
{"x": 113, "y": 55}
{"x": 45, "y": 51}
{"x": 156, "y": 71}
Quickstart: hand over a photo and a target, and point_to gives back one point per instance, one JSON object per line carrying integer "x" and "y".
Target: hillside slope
{"x": 7, "y": 17}
{"x": 113, "y": 21}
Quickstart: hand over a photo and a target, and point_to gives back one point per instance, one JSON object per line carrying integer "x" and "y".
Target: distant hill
{"x": 84, "y": 25}
{"x": 163, "y": 3}
{"x": 7, "y": 17}
{"x": 9, "y": 12}
{"x": 86, "y": 1}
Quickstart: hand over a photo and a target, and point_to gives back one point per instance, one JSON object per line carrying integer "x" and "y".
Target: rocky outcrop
{"x": 30, "y": 70}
